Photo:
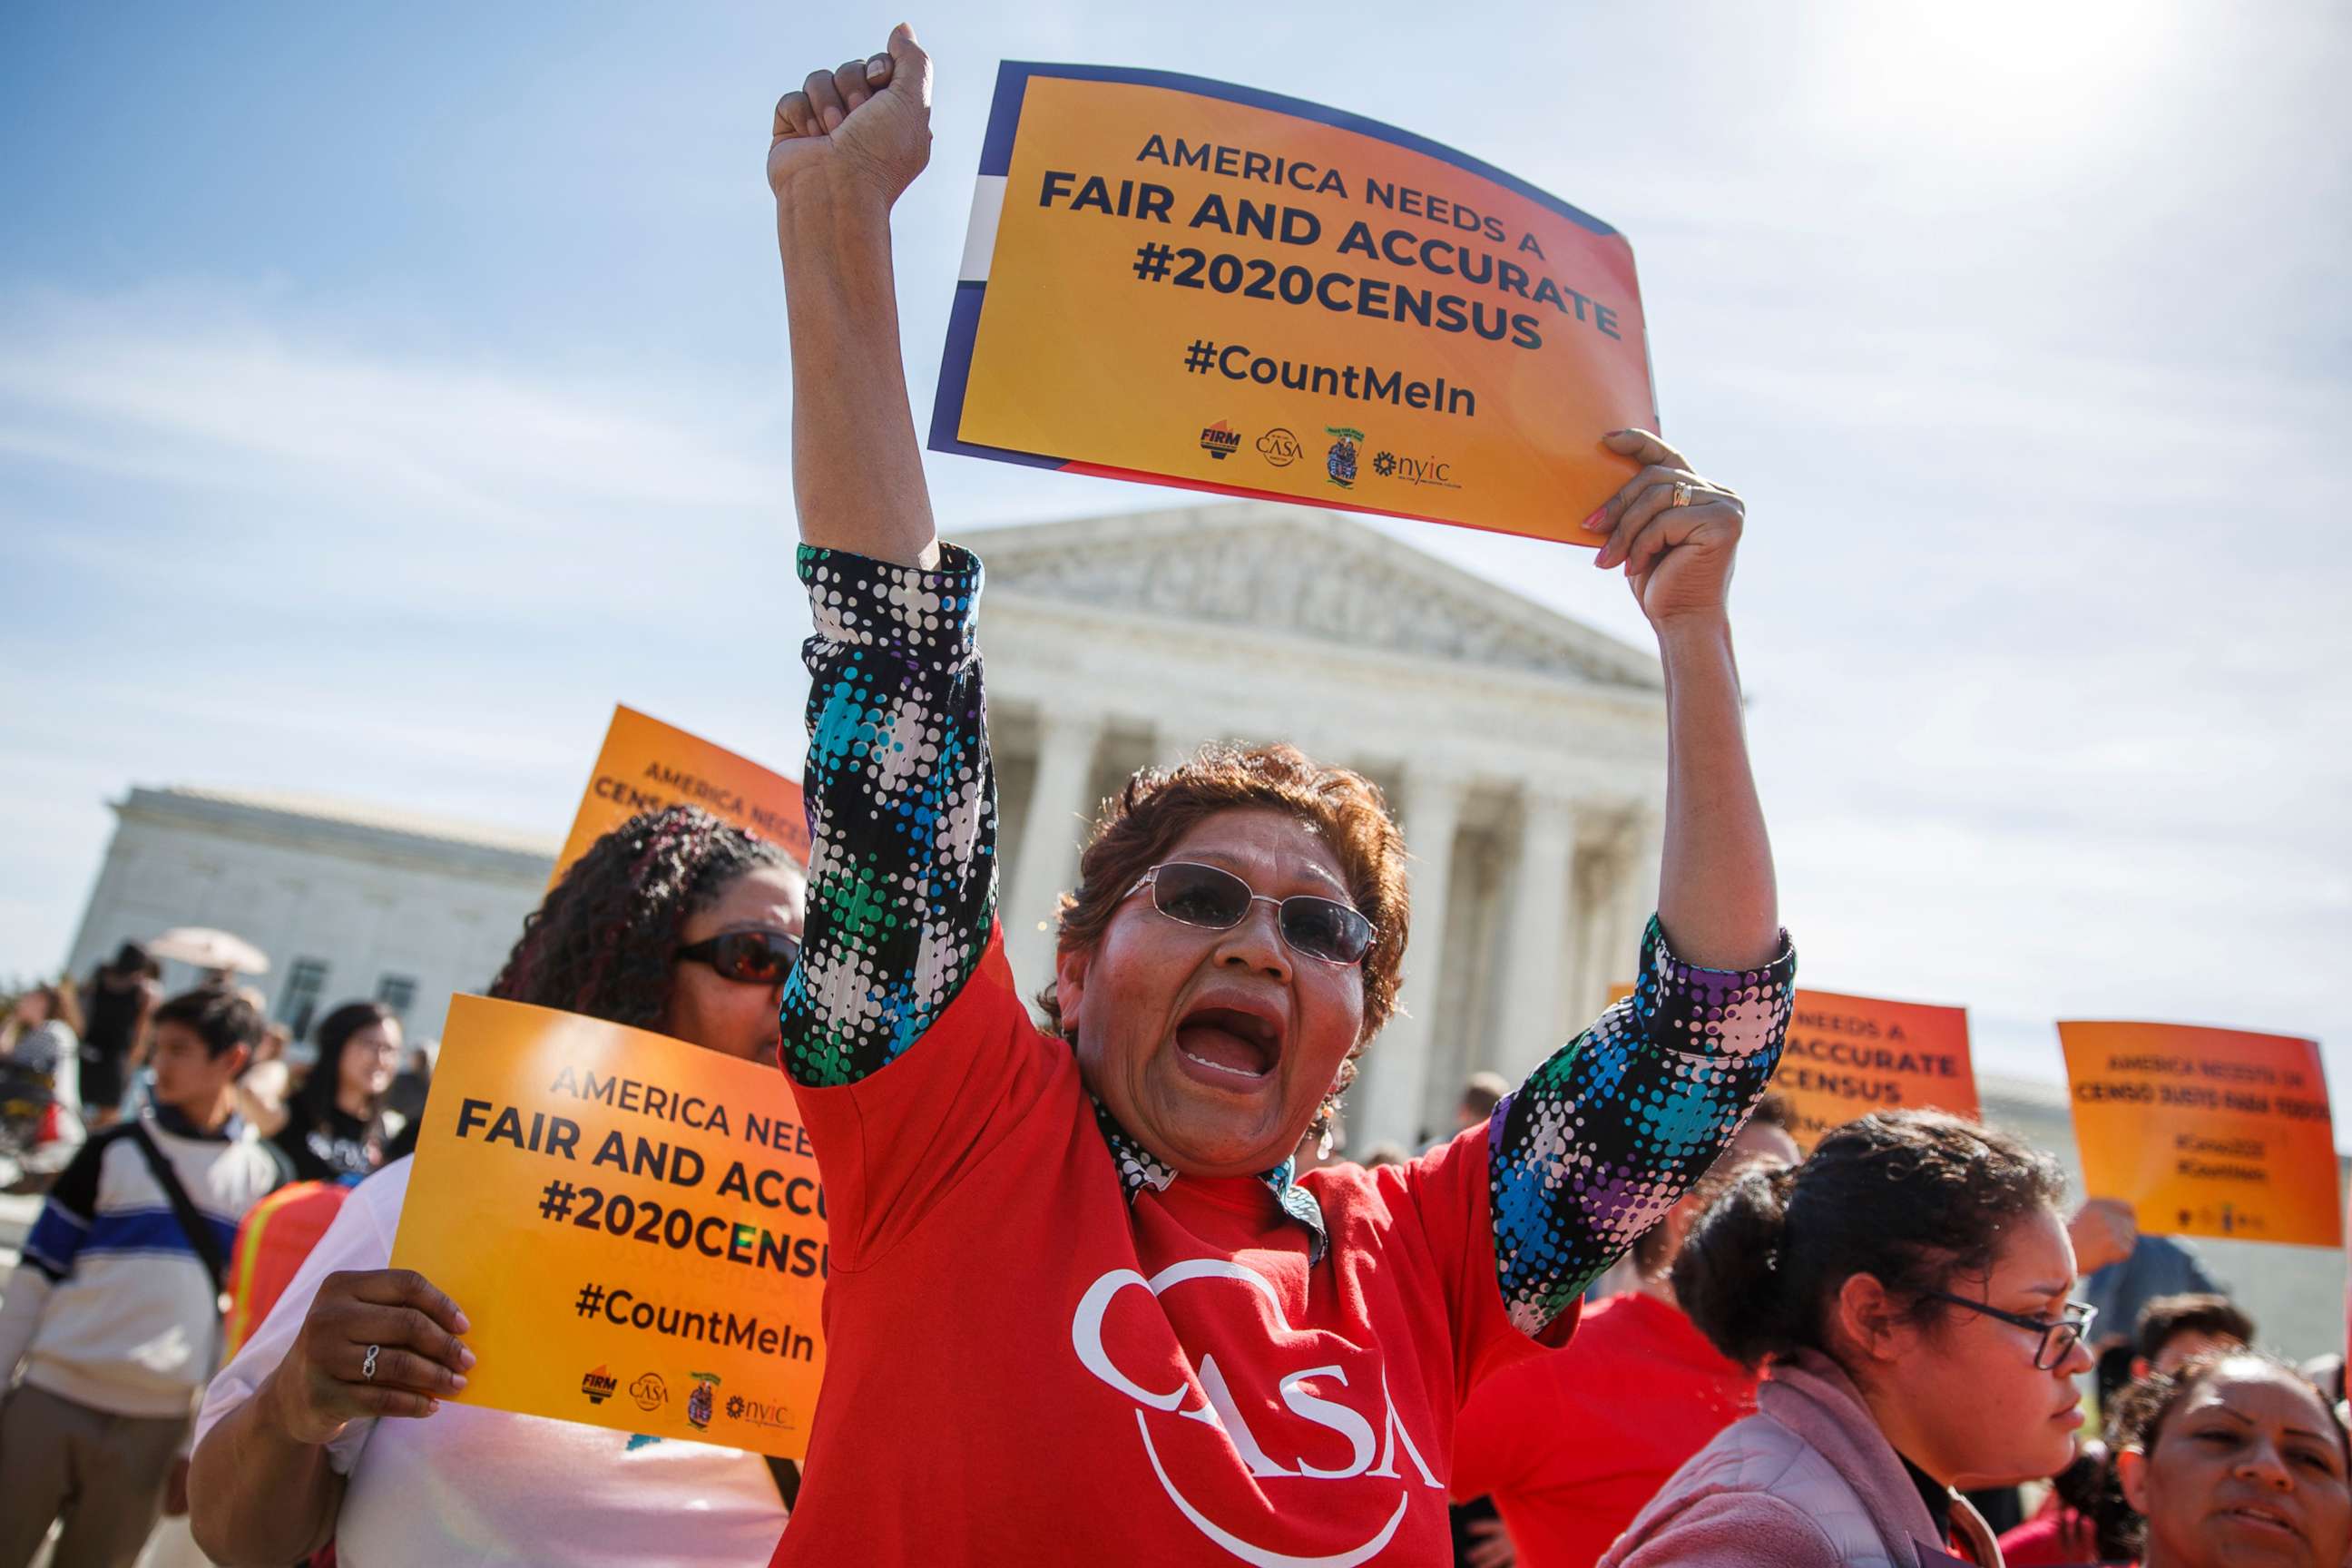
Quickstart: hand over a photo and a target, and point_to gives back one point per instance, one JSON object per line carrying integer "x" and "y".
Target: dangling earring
{"x": 1323, "y": 1144}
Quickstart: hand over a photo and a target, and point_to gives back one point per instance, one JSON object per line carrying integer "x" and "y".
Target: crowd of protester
{"x": 1616, "y": 1316}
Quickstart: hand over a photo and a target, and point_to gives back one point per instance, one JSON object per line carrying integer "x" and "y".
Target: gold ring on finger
{"x": 1682, "y": 493}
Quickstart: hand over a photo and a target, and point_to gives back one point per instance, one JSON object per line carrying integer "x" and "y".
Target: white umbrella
{"x": 209, "y": 949}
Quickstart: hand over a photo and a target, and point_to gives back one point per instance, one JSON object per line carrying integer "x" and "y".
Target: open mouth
{"x": 1231, "y": 1042}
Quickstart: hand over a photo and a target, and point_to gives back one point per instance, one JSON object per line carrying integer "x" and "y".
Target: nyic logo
{"x": 1415, "y": 470}
{"x": 1339, "y": 462}
{"x": 699, "y": 1403}
{"x": 1280, "y": 448}
{"x": 1219, "y": 441}
{"x": 598, "y": 1385}
{"x": 759, "y": 1412}
{"x": 650, "y": 1392}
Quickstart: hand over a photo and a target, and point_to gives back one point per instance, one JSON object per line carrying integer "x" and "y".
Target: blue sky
{"x": 386, "y": 391}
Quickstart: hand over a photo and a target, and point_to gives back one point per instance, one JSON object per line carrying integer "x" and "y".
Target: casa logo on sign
{"x": 1280, "y": 448}
{"x": 1221, "y": 440}
{"x": 598, "y": 1385}
{"x": 650, "y": 1392}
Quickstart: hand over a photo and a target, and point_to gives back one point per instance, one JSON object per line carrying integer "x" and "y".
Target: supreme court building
{"x": 1524, "y": 753}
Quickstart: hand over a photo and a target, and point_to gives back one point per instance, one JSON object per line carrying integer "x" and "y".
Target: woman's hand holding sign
{"x": 1674, "y": 532}
{"x": 382, "y": 1341}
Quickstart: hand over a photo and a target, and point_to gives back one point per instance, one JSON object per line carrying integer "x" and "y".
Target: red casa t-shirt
{"x": 1571, "y": 1446}
{"x": 1021, "y": 1366}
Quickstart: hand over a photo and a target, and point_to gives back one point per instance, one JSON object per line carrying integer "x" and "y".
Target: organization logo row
{"x": 651, "y": 1392}
{"x": 1341, "y": 460}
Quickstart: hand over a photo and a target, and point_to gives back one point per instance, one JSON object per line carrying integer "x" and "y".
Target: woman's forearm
{"x": 258, "y": 1497}
{"x": 858, "y": 468}
{"x": 1717, "y": 896}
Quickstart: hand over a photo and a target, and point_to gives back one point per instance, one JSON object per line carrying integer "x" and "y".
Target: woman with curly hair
{"x": 675, "y": 921}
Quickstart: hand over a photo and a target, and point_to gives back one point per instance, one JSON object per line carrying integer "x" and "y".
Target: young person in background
{"x": 114, "y": 1312}
{"x": 1905, "y": 1291}
{"x": 334, "y": 1128}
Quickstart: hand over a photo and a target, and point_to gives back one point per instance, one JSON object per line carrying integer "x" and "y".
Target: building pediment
{"x": 1305, "y": 573}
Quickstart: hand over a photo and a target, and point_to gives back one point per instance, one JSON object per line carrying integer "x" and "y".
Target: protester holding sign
{"x": 1905, "y": 1291}
{"x": 2234, "y": 1460}
{"x": 1081, "y": 1308}
{"x": 675, "y": 921}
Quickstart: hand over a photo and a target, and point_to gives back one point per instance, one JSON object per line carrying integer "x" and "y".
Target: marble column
{"x": 1053, "y": 831}
{"x": 1539, "y": 944}
{"x": 1387, "y": 1107}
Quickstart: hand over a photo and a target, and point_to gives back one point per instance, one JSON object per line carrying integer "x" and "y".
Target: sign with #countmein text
{"x": 1849, "y": 1056}
{"x": 632, "y": 1225}
{"x": 647, "y": 765}
{"x": 2205, "y": 1132}
{"x": 1191, "y": 283}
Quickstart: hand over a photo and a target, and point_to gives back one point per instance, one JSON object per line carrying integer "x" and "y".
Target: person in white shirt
{"x": 674, "y": 921}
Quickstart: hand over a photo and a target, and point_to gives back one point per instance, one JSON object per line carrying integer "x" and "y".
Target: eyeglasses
{"x": 1216, "y": 899}
{"x": 2059, "y": 1335}
{"x": 752, "y": 957}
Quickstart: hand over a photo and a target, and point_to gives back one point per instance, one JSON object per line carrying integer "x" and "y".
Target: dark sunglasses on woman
{"x": 753, "y": 957}
{"x": 1216, "y": 899}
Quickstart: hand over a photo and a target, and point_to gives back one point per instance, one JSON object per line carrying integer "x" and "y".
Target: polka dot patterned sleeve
{"x": 901, "y": 802}
{"x": 1598, "y": 1143}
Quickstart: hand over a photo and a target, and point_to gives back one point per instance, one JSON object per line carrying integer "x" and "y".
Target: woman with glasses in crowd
{"x": 329, "y": 1423}
{"x": 2231, "y": 1461}
{"x": 1905, "y": 1290}
{"x": 1084, "y": 1309}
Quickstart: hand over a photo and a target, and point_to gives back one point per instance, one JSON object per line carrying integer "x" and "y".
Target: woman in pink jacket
{"x": 1906, "y": 1291}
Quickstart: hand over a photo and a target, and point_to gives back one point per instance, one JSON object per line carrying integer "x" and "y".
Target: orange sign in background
{"x": 2205, "y": 1132}
{"x": 1849, "y": 1056}
{"x": 647, "y": 765}
{"x": 632, "y": 1225}
{"x": 1188, "y": 282}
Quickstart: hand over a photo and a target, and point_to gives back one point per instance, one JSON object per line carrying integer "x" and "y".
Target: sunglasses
{"x": 1216, "y": 899}
{"x": 752, "y": 957}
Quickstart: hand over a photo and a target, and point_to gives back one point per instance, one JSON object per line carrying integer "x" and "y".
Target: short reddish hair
{"x": 1143, "y": 822}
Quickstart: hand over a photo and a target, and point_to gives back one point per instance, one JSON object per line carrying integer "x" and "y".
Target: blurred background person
{"x": 334, "y": 1128}
{"x": 41, "y": 1115}
{"x": 2174, "y": 1330}
{"x": 116, "y": 1007}
{"x": 1550, "y": 1440}
{"x": 261, "y": 1093}
{"x": 114, "y": 1313}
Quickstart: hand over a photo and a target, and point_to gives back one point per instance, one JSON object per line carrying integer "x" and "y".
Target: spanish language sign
{"x": 1849, "y": 1056}
{"x": 647, "y": 765}
{"x": 2205, "y": 1132}
{"x": 634, "y": 1226}
{"x": 1191, "y": 283}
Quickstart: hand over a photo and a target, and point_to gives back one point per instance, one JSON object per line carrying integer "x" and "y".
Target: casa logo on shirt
{"x": 1326, "y": 1408}
{"x": 598, "y": 1385}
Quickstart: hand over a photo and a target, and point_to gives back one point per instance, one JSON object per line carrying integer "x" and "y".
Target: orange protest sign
{"x": 1849, "y": 1056}
{"x": 1187, "y": 282}
{"x": 647, "y": 765}
{"x": 634, "y": 1226}
{"x": 2205, "y": 1132}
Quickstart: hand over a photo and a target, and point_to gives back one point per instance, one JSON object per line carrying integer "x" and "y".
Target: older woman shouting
{"x": 1081, "y": 1311}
